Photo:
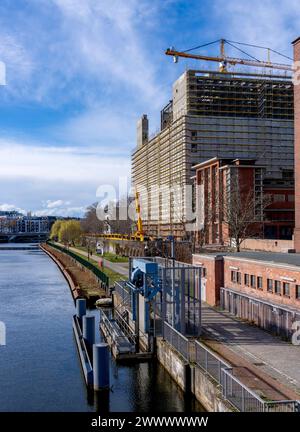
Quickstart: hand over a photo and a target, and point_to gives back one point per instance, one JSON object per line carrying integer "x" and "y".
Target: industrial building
{"x": 16, "y": 223}
{"x": 233, "y": 182}
{"x": 260, "y": 287}
{"x": 212, "y": 114}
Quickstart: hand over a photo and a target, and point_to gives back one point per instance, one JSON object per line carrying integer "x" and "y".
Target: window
{"x": 233, "y": 276}
{"x": 246, "y": 279}
{"x": 204, "y": 272}
{"x": 277, "y": 287}
{"x": 291, "y": 198}
{"x": 238, "y": 278}
{"x": 270, "y": 285}
{"x": 252, "y": 279}
{"x": 194, "y": 135}
{"x": 259, "y": 282}
{"x": 279, "y": 197}
{"x": 194, "y": 148}
{"x": 286, "y": 289}
{"x": 298, "y": 292}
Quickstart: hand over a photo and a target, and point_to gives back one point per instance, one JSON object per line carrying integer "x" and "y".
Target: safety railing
{"x": 233, "y": 390}
{"x": 177, "y": 340}
{"x": 246, "y": 400}
{"x": 124, "y": 342}
{"x": 124, "y": 294}
{"x": 209, "y": 361}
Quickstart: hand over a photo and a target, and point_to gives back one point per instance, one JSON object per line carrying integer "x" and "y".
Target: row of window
{"x": 273, "y": 286}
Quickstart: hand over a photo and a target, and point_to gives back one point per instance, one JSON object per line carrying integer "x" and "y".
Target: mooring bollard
{"x": 80, "y": 308}
{"x": 88, "y": 329}
{"x": 101, "y": 366}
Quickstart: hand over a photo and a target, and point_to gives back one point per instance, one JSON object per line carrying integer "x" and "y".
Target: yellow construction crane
{"x": 225, "y": 60}
{"x": 140, "y": 232}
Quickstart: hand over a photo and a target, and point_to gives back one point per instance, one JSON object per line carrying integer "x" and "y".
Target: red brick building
{"x": 261, "y": 287}
{"x": 215, "y": 179}
{"x": 296, "y": 44}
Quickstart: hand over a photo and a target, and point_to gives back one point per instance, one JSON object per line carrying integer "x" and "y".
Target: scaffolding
{"x": 227, "y": 115}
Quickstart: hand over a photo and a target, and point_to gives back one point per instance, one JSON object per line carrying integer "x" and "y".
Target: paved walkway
{"x": 121, "y": 268}
{"x": 275, "y": 357}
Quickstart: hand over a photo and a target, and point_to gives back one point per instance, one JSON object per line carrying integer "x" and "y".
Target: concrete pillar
{"x": 88, "y": 329}
{"x": 296, "y": 45}
{"x": 101, "y": 366}
{"x": 80, "y": 307}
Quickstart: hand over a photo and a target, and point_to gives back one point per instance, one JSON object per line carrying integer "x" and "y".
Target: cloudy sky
{"x": 81, "y": 72}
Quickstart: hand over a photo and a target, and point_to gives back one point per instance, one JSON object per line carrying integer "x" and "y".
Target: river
{"x": 39, "y": 366}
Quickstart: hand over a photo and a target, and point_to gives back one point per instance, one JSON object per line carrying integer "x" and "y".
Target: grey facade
{"x": 213, "y": 115}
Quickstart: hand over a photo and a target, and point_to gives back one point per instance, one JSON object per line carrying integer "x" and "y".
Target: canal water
{"x": 39, "y": 366}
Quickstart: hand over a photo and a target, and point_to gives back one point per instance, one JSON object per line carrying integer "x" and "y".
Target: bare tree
{"x": 90, "y": 223}
{"x": 121, "y": 223}
{"x": 114, "y": 221}
{"x": 243, "y": 213}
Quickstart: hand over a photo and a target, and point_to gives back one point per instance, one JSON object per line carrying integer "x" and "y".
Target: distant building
{"x": 215, "y": 180}
{"x": 14, "y": 223}
{"x": 212, "y": 114}
{"x": 260, "y": 287}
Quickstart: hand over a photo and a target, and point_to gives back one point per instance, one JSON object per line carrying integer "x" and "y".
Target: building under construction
{"x": 211, "y": 114}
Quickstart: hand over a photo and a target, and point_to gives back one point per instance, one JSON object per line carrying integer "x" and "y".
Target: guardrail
{"x": 177, "y": 340}
{"x": 124, "y": 343}
{"x": 233, "y": 390}
{"x": 123, "y": 293}
{"x": 245, "y": 400}
{"x": 209, "y": 361}
{"x": 97, "y": 272}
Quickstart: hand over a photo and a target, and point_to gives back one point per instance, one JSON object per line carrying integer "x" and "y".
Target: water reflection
{"x": 39, "y": 366}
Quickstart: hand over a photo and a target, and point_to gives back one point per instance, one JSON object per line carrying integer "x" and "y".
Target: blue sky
{"x": 81, "y": 72}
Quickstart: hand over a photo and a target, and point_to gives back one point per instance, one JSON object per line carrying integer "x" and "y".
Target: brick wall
{"x": 274, "y": 272}
{"x": 213, "y": 275}
{"x": 296, "y": 44}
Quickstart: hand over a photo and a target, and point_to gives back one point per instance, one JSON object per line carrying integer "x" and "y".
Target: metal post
{"x": 182, "y": 302}
{"x": 225, "y": 384}
{"x": 88, "y": 330}
{"x": 137, "y": 322}
{"x": 80, "y": 308}
{"x": 243, "y": 399}
{"x": 101, "y": 366}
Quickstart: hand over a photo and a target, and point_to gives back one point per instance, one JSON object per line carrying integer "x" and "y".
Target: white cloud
{"x": 54, "y": 204}
{"x": 62, "y": 211}
{"x": 11, "y": 207}
{"x": 88, "y": 166}
{"x": 108, "y": 41}
{"x": 270, "y": 23}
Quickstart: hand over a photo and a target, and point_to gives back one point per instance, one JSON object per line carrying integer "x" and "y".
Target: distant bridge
{"x": 23, "y": 237}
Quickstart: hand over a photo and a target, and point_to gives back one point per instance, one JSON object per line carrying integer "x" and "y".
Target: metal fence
{"x": 246, "y": 400}
{"x": 210, "y": 362}
{"x": 97, "y": 272}
{"x": 124, "y": 294}
{"x": 233, "y": 390}
{"x": 177, "y": 340}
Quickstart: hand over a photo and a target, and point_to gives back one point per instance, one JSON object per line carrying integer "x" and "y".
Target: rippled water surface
{"x": 39, "y": 366}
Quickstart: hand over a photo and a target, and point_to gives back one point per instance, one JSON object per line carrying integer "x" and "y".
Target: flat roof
{"x": 276, "y": 257}
{"x": 291, "y": 259}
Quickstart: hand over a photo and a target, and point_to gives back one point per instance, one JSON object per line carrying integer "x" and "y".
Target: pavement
{"x": 269, "y": 354}
{"x": 121, "y": 268}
